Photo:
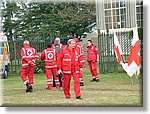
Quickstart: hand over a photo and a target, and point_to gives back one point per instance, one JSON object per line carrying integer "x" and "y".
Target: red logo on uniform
{"x": 50, "y": 56}
{"x": 29, "y": 52}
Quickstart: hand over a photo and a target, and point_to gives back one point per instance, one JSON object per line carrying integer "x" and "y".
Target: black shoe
{"x": 79, "y": 97}
{"x": 97, "y": 80}
{"x": 81, "y": 84}
{"x": 29, "y": 87}
{"x": 93, "y": 80}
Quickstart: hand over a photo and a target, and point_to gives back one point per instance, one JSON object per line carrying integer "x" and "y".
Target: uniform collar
{"x": 26, "y": 46}
{"x": 69, "y": 48}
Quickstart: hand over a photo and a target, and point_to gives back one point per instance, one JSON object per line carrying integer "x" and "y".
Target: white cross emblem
{"x": 29, "y": 52}
{"x": 50, "y": 56}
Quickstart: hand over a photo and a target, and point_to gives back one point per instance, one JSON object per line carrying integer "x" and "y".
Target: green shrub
{"x": 39, "y": 67}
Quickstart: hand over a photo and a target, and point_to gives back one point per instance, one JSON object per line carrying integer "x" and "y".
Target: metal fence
{"x": 108, "y": 62}
{"x": 39, "y": 43}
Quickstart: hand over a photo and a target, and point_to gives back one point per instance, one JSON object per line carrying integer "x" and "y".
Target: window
{"x": 117, "y": 12}
{"x": 107, "y": 19}
{"x": 122, "y": 3}
{"x": 107, "y": 5}
{"x": 123, "y": 11}
{"x": 107, "y": 12}
{"x": 139, "y": 13}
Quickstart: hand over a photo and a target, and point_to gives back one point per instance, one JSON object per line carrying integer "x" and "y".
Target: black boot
{"x": 79, "y": 97}
{"x": 81, "y": 84}
{"x": 93, "y": 80}
{"x": 29, "y": 87}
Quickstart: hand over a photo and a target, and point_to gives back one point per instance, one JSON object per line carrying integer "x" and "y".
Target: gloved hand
{"x": 59, "y": 71}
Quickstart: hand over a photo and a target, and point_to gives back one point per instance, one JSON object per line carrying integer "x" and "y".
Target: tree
{"x": 49, "y": 18}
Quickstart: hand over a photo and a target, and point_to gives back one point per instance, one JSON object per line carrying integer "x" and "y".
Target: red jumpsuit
{"x": 50, "y": 57}
{"x": 92, "y": 60}
{"x": 79, "y": 49}
{"x": 68, "y": 63}
{"x": 29, "y": 56}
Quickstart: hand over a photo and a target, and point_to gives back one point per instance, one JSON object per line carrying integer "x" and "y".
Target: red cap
{"x": 76, "y": 39}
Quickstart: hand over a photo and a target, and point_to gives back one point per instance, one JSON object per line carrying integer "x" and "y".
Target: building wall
{"x": 119, "y": 14}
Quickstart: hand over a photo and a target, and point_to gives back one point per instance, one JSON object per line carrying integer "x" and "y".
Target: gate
{"x": 107, "y": 59}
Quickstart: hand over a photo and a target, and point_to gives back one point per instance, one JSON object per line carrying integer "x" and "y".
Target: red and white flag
{"x": 134, "y": 61}
{"x": 117, "y": 48}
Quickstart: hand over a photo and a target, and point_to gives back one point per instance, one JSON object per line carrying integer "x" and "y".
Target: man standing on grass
{"x": 58, "y": 47}
{"x": 29, "y": 56}
{"x": 50, "y": 57}
{"x": 68, "y": 65}
{"x": 79, "y": 49}
{"x": 92, "y": 60}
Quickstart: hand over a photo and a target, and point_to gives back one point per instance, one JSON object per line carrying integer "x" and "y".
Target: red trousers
{"x": 49, "y": 73}
{"x": 66, "y": 84}
{"x": 30, "y": 72}
{"x": 93, "y": 69}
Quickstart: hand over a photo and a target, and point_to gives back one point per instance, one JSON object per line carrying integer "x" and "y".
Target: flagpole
{"x": 131, "y": 80}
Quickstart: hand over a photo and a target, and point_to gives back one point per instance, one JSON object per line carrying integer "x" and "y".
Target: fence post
{"x": 108, "y": 52}
{"x": 14, "y": 46}
{"x": 99, "y": 42}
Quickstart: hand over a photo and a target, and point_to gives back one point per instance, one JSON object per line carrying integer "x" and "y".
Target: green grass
{"x": 114, "y": 90}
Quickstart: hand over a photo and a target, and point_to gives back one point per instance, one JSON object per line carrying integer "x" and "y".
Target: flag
{"x": 117, "y": 48}
{"x": 134, "y": 61}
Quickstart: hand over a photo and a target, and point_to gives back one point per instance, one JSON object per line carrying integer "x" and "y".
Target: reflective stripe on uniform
{"x": 49, "y": 60}
{"x": 28, "y": 56}
{"x": 49, "y": 82}
{"x": 82, "y": 61}
{"x": 77, "y": 71}
{"x": 67, "y": 72}
{"x": 66, "y": 59}
{"x": 66, "y": 54}
{"x": 51, "y": 66}
{"x": 25, "y": 64}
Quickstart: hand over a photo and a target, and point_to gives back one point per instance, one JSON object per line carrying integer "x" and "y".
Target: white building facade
{"x": 119, "y": 14}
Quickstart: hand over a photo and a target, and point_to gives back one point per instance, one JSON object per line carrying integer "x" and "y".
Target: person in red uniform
{"x": 68, "y": 65}
{"x": 29, "y": 56}
{"x": 92, "y": 60}
{"x": 58, "y": 47}
{"x": 57, "y": 43}
{"x": 79, "y": 49}
{"x": 50, "y": 57}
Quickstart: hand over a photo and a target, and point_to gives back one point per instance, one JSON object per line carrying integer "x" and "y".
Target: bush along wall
{"x": 39, "y": 67}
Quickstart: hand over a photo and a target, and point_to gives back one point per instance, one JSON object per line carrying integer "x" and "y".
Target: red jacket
{"x": 50, "y": 57}
{"x": 79, "y": 49}
{"x": 29, "y": 56}
{"x": 92, "y": 53}
{"x": 68, "y": 59}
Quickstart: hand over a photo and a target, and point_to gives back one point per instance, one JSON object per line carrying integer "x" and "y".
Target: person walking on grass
{"x": 29, "y": 56}
{"x": 50, "y": 56}
{"x": 68, "y": 65}
{"x": 79, "y": 49}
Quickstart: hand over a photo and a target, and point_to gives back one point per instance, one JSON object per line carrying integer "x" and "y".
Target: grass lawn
{"x": 114, "y": 89}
